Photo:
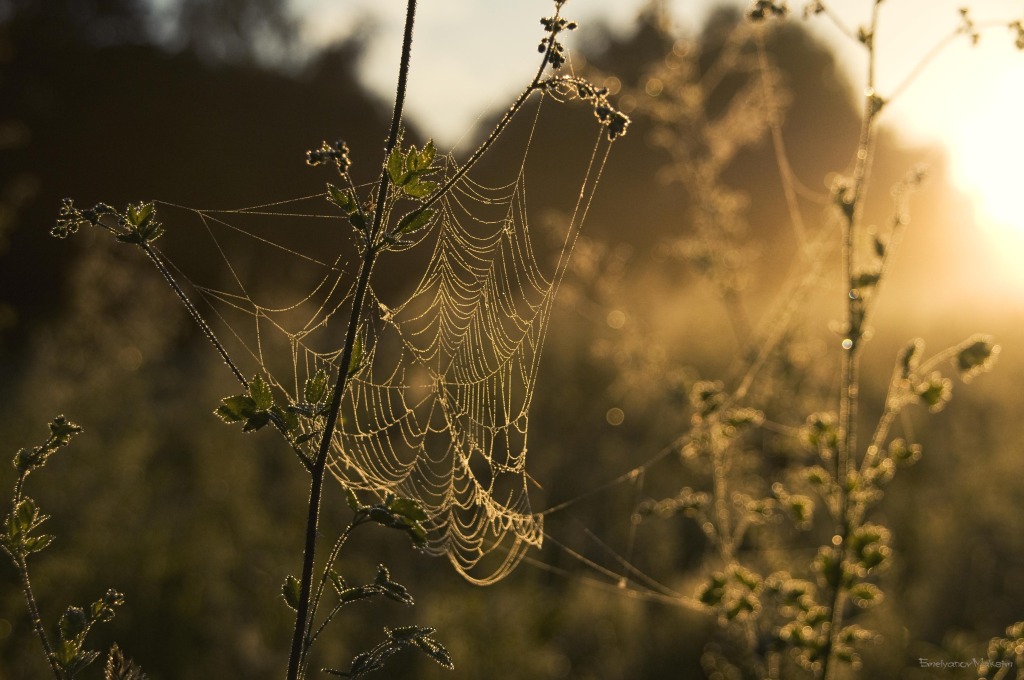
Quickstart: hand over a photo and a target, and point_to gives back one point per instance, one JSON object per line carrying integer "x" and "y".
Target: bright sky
{"x": 471, "y": 56}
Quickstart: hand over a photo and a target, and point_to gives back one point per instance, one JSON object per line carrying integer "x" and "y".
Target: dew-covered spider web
{"x": 451, "y": 339}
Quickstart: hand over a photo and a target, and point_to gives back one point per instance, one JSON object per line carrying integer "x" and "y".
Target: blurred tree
{"x": 234, "y": 31}
{"x": 90, "y": 104}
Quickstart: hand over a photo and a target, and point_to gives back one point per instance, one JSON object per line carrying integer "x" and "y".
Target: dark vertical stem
{"x": 296, "y": 659}
{"x": 33, "y": 612}
{"x": 21, "y": 564}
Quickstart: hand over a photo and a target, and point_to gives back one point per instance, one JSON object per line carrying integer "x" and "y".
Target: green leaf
{"x": 382, "y": 515}
{"x": 337, "y": 581}
{"x": 879, "y": 247}
{"x": 292, "y": 591}
{"x": 81, "y": 660}
{"x": 407, "y": 507}
{"x": 131, "y": 237}
{"x": 358, "y": 593}
{"x": 865, "y": 594}
{"x": 976, "y": 355}
{"x": 104, "y": 609}
{"x": 364, "y": 663}
{"x": 151, "y": 232}
{"x": 436, "y": 651}
{"x": 396, "y": 167}
{"x": 236, "y": 408}
{"x": 359, "y": 221}
{"x": 26, "y": 515}
{"x": 286, "y": 417}
{"x": 73, "y": 622}
{"x": 66, "y": 652}
{"x": 414, "y": 221}
{"x": 37, "y": 543}
{"x": 261, "y": 393}
{"x": 316, "y": 387}
{"x": 867, "y": 279}
{"x": 256, "y": 422}
{"x": 341, "y": 198}
{"x": 140, "y": 215}
{"x": 390, "y": 589}
{"x": 355, "y": 361}
{"x": 143, "y": 227}
{"x": 417, "y": 533}
{"x": 427, "y": 155}
{"x": 25, "y": 460}
{"x": 407, "y": 633}
{"x": 120, "y": 667}
{"x": 419, "y": 188}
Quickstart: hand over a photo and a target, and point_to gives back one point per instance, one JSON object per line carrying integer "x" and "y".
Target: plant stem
{"x": 331, "y": 559}
{"x": 21, "y": 565}
{"x": 320, "y": 464}
{"x": 536, "y": 84}
{"x": 212, "y": 337}
{"x": 855, "y": 320}
{"x": 33, "y": 612}
{"x": 193, "y": 312}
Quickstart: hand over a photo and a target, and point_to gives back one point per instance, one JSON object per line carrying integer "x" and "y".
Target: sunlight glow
{"x": 988, "y": 152}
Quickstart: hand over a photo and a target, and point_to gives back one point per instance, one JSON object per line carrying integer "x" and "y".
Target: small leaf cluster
{"x": 256, "y": 408}
{"x": 967, "y": 26}
{"x": 381, "y": 586}
{"x": 974, "y": 356}
{"x": 396, "y": 513}
{"x": 299, "y": 421}
{"x": 550, "y": 45}
{"x": 920, "y": 382}
{"x": 1018, "y": 29}
{"x": 407, "y": 171}
{"x": 75, "y": 624}
{"x": 137, "y": 224}
{"x": 20, "y": 538}
{"x": 607, "y": 115}
{"x": 404, "y": 514}
{"x": 733, "y": 594}
{"x": 714, "y": 423}
{"x": 1004, "y": 654}
{"x": 803, "y": 625}
{"x": 335, "y": 153}
{"x": 70, "y": 218}
{"x": 120, "y": 667}
{"x": 762, "y": 9}
{"x": 397, "y": 639}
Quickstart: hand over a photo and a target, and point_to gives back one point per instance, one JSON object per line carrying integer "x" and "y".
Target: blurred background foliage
{"x": 198, "y": 524}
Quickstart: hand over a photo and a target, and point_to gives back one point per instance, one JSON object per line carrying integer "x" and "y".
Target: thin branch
{"x": 320, "y": 463}
{"x": 852, "y": 200}
{"x": 193, "y": 312}
{"x": 537, "y": 84}
{"x": 935, "y": 51}
{"x": 33, "y": 611}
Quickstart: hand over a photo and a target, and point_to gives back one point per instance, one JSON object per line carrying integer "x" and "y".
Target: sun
{"x": 987, "y": 149}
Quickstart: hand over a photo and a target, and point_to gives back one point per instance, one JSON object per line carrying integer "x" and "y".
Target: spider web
{"x": 440, "y": 410}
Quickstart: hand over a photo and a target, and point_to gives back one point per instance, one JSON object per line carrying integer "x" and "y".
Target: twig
{"x": 320, "y": 463}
